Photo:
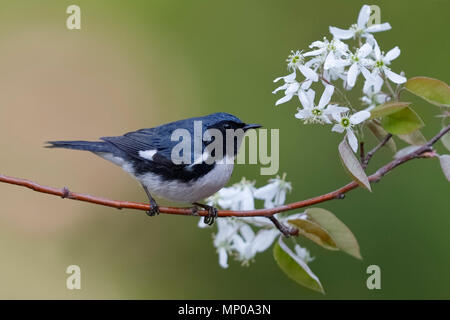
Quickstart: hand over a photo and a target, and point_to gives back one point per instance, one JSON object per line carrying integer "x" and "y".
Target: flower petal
{"x": 339, "y": 33}
{"x": 283, "y": 87}
{"x": 359, "y": 117}
{"x": 247, "y": 233}
{"x": 352, "y": 74}
{"x": 326, "y": 96}
{"x": 223, "y": 258}
{"x": 311, "y": 94}
{"x": 308, "y": 73}
{"x": 333, "y": 108}
{"x": 392, "y": 54}
{"x": 292, "y": 88}
{"x": 337, "y": 127}
{"x": 364, "y": 50}
{"x": 377, "y": 51}
{"x": 304, "y": 100}
{"x": 314, "y": 52}
{"x": 379, "y": 27}
{"x": 284, "y": 99}
{"x": 394, "y": 77}
{"x": 330, "y": 61}
{"x": 264, "y": 239}
{"x": 363, "y": 17}
{"x": 289, "y": 78}
{"x": 302, "y": 114}
{"x": 306, "y": 84}
{"x": 353, "y": 142}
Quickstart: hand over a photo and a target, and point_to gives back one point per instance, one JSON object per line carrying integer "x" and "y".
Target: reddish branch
{"x": 425, "y": 151}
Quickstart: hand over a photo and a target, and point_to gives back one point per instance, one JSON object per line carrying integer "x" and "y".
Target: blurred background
{"x": 138, "y": 64}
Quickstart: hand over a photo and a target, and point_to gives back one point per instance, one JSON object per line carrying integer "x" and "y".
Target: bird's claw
{"x": 210, "y": 217}
{"x": 154, "y": 210}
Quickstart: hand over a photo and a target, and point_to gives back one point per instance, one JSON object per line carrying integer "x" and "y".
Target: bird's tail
{"x": 97, "y": 146}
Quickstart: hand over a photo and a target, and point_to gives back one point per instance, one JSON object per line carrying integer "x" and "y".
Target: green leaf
{"x": 295, "y": 268}
{"x": 339, "y": 232}
{"x": 314, "y": 232}
{"x": 446, "y": 140}
{"x": 445, "y": 165}
{"x": 402, "y": 122}
{"x": 352, "y": 165}
{"x": 414, "y": 138}
{"x": 380, "y": 134}
{"x": 387, "y": 108}
{"x": 432, "y": 90}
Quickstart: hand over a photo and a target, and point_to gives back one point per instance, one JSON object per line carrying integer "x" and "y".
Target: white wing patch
{"x": 147, "y": 154}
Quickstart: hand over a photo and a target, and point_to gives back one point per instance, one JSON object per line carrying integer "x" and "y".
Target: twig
{"x": 424, "y": 151}
{"x": 361, "y": 151}
{"x": 285, "y": 230}
{"x": 370, "y": 154}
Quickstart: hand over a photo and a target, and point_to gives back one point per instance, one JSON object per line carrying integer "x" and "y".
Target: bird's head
{"x": 223, "y": 121}
{"x": 231, "y": 128}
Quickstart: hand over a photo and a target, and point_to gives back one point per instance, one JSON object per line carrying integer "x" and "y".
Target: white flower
{"x": 291, "y": 87}
{"x": 274, "y": 193}
{"x": 226, "y": 228}
{"x": 237, "y": 197}
{"x": 320, "y": 113}
{"x": 247, "y": 244}
{"x": 325, "y": 47}
{"x": 359, "y": 63}
{"x": 360, "y": 29}
{"x": 303, "y": 253}
{"x": 382, "y": 61}
{"x": 346, "y": 123}
{"x": 294, "y": 59}
{"x": 373, "y": 83}
{"x": 372, "y": 98}
{"x": 328, "y": 53}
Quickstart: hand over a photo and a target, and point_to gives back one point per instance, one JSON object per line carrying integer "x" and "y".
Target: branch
{"x": 370, "y": 154}
{"x": 285, "y": 230}
{"x": 425, "y": 151}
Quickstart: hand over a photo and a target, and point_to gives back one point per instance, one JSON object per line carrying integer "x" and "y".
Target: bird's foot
{"x": 212, "y": 212}
{"x": 154, "y": 209}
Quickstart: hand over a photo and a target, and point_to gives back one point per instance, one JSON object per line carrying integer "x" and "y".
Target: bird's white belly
{"x": 190, "y": 191}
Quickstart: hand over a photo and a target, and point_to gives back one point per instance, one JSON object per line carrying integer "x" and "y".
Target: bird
{"x": 150, "y": 156}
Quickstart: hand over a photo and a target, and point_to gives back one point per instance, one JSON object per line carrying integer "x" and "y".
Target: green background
{"x": 137, "y": 64}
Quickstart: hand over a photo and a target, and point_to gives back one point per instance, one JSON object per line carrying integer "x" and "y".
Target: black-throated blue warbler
{"x": 147, "y": 154}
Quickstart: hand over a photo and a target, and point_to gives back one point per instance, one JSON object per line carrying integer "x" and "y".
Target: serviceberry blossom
{"x": 294, "y": 59}
{"x": 291, "y": 87}
{"x": 243, "y": 238}
{"x": 347, "y": 122}
{"x": 358, "y": 64}
{"x": 332, "y": 51}
{"x": 320, "y": 113}
{"x": 361, "y": 28}
{"x": 382, "y": 61}
{"x": 274, "y": 193}
{"x": 373, "y": 97}
{"x": 237, "y": 197}
{"x": 328, "y": 58}
{"x": 303, "y": 254}
{"x": 247, "y": 244}
{"x": 226, "y": 228}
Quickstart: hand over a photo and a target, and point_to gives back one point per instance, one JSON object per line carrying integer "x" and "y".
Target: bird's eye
{"x": 227, "y": 126}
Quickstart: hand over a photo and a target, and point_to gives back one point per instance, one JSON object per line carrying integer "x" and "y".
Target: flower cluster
{"x": 243, "y": 238}
{"x": 332, "y": 61}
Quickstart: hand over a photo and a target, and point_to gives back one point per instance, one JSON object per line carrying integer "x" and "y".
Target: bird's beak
{"x": 251, "y": 126}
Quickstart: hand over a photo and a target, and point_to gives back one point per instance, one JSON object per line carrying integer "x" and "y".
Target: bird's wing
{"x": 137, "y": 142}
